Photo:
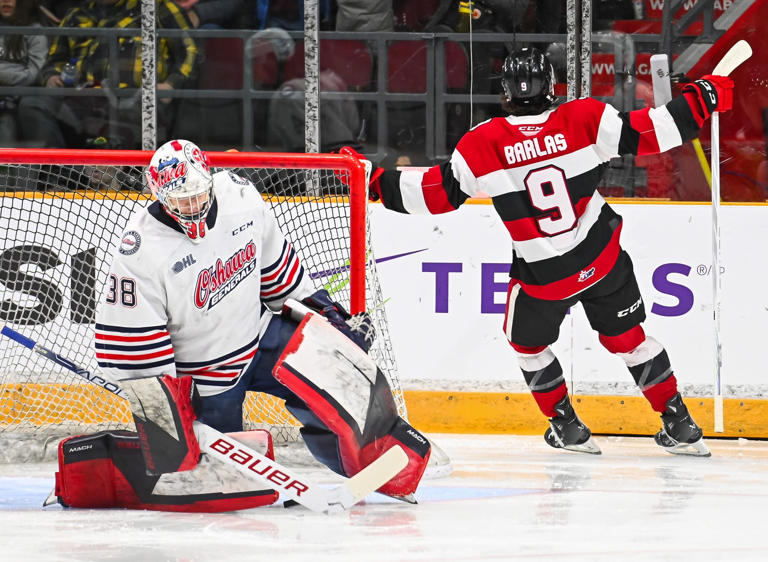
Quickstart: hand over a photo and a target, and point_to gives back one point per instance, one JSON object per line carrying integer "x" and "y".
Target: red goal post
{"x": 60, "y": 211}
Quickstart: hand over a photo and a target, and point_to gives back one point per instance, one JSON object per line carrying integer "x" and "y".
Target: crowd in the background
{"x": 88, "y": 94}
{"x": 110, "y": 119}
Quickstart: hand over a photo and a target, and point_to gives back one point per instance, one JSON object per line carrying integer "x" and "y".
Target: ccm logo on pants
{"x": 631, "y": 309}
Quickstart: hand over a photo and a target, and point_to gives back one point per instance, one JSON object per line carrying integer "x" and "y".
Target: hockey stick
{"x": 284, "y": 480}
{"x": 736, "y": 55}
{"x": 662, "y": 93}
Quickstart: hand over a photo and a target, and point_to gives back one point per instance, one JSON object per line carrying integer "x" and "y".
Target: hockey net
{"x": 61, "y": 212}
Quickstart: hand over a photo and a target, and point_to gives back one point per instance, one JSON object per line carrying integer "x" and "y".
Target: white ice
{"x": 508, "y": 498}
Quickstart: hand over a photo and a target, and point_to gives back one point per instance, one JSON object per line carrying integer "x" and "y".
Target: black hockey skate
{"x": 679, "y": 434}
{"x": 567, "y": 431}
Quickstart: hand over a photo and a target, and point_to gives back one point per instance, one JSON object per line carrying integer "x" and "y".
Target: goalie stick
{"x": 284, "y": 480}
{"x": 736, "y": 55}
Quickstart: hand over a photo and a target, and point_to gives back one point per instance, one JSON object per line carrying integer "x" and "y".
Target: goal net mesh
{"x": 59, "y": 223}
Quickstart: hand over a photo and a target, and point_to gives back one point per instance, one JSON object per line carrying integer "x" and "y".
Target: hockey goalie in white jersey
{"x": 190, "y": 320}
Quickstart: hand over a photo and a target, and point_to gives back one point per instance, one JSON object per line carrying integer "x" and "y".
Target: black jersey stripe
{"x": 221, "y": 359}
{"x": 683, "y": 117}
{"x": 557, "y": 268}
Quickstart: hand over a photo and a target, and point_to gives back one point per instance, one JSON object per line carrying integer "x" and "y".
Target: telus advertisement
{"x": 445, "y": 280}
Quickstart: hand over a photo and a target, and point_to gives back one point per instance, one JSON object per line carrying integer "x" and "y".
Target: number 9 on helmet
{"x": 528, "y": 80}
{"x": 179, "y": 177}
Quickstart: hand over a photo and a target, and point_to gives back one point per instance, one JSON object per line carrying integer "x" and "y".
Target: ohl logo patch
{"x": 218, "y": 280}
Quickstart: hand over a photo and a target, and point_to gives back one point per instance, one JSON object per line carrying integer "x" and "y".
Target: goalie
{"x": 193, "y": 316}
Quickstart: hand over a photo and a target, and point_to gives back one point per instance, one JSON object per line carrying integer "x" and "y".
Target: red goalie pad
{"x": 106, "y": 469}
{"x": 350, "y": 417}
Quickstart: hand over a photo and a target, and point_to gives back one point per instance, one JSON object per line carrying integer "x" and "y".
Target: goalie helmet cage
{"x": 61, "y": 212}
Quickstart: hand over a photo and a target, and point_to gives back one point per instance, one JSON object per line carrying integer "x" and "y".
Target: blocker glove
{"x": 374, "y": 187}
{"x": 708, "y": 94}
{"x": 359, "y": 328}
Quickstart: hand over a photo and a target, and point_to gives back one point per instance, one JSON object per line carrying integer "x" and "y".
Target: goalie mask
{"x": 179, "y": 177}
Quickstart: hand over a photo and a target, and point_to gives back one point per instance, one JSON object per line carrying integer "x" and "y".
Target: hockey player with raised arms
{"x": 541, "y": 166}
{"x": 193, "y": 316}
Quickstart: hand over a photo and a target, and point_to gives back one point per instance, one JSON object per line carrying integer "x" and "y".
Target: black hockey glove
{"x": 374, "y": 187}
{"x": 358, "y": 328}
{"x": 710, "y": 93}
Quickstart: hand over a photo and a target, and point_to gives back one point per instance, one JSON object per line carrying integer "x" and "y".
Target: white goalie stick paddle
{"x": 736, "y": 55}
{"x": 284, "y": 480}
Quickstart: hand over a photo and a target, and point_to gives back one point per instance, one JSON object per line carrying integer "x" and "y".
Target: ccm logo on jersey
{"x": 240, "y": 229}
{"x": 529, "y": 149}
{"x": 631, "y": 309}
{"x": 216, "y": 282}
{"x": 229, "y": 450}
{"x": 529, "y": 130}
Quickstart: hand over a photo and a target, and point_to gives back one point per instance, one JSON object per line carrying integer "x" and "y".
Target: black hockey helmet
{"x": 528, "y": 80}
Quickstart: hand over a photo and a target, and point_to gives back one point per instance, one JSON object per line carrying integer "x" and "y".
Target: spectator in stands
{"x": 69, "y": 121}
{"x": 339, "y": 119}
{"x": 288, "y": 14}
{"x": 21, "y": 58}
{"x": 215, "y": 14}
{"x": 52, "y": 11}
{"x": 364, "y": 15}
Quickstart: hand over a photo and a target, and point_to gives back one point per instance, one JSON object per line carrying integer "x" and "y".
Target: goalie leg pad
{"x": 342, "y": 391}
{"x": 106, "y": 470}
{"x": 163, "y": 412}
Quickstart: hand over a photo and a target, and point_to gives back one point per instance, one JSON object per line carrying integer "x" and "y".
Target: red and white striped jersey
{"x": 542, "y": 173}
{"x": 177, "y": 306}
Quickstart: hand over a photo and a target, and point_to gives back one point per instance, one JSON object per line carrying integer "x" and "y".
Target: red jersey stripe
{"x": 134, "y": 339}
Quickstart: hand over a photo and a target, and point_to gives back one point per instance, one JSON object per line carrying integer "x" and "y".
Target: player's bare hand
{"x": 54, "y": 82}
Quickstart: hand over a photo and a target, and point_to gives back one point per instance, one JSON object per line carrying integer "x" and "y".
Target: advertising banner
{"x": 445, "y": 279}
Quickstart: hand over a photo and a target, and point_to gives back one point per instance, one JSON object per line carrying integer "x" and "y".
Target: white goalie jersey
{"x": 198, "y": 308}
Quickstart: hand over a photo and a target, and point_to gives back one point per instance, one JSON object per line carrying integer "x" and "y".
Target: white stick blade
{"x": 662, "y": 87}
{"x": 375, "y": 475}
{"x": 737, "y": 54}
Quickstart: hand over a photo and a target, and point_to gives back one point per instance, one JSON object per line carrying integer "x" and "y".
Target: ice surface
{"x": 509, "y": 498}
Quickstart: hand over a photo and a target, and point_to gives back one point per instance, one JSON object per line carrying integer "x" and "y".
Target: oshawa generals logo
{"x": 217, "y": 281}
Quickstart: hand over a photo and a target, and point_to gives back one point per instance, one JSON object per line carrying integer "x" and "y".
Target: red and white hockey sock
{"x": 543, "y": 375}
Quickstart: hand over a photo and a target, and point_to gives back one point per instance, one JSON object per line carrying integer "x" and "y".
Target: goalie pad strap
{"x": 163, "y": 412}
{"x": 106, "y": 469}
{"x": 344, "y": 392}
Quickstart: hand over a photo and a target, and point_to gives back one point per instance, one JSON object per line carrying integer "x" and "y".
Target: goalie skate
{"x": 680, "y": 435}
{"x": 567, "y": 431}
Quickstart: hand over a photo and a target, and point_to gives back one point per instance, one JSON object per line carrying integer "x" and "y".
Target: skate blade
{"x": 408, "y": 498}
{"x": 51, "y": 499}
{"x": 589, "y": 446}
{"x": 695, "y": 449}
